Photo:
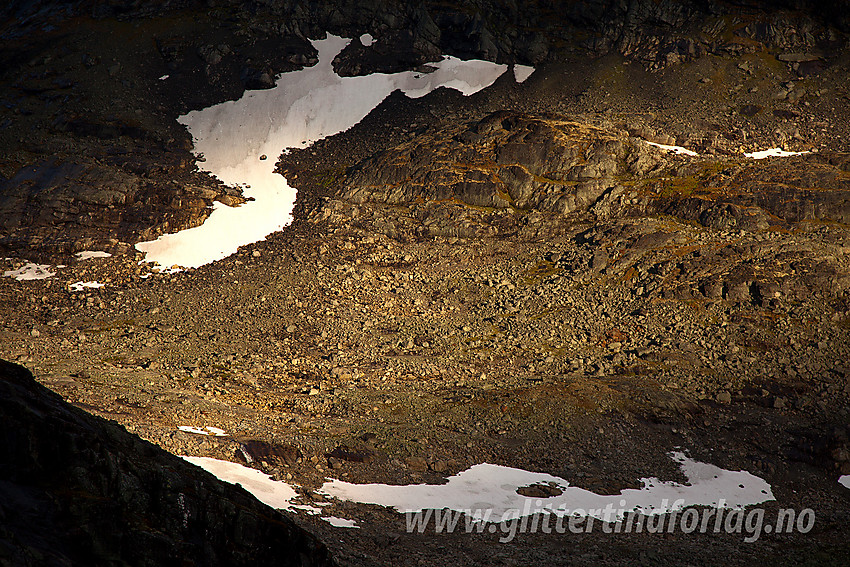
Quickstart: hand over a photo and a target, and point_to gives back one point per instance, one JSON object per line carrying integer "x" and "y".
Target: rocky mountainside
{"x": 79, "y": 490}
{"x": 485, "y": 178}
{"x": 511, "y": 161}
{"x": 92, "y": 155}
{"x": 521, "y": 276}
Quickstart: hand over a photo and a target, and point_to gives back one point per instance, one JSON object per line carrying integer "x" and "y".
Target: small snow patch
{"x": 30, "y": 272}
{"x": 164, "y": 77}
{"x": 522, "y": 72}
{"x": 844, "y": 481}
{"x": 87, "y": 254}
{"x": 214, "y": 431}
{"x": 773, "y": 152}
{"x": 367, "y": 40}
{"x": 674, "y": 149}
{"x": 80, "y": 286}
{"x": 341, "y": 522}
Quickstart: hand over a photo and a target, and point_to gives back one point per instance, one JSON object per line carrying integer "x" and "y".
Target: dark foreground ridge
{"x": 76, "y": 489}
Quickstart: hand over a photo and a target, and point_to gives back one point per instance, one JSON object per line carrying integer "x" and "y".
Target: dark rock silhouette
{"x": 76, "y": 489}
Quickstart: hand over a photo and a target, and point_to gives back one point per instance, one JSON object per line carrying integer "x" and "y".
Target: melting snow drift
{"x": 494, "y": 488}
{"x": 773, "y": 152}
{"x": 305, "y": 106}
{"x": 31, "y": 272}
{"x": 80, "y": 286}
{"x": 340, "y": 522}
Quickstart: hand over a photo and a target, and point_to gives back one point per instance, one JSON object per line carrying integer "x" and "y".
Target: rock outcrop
{"x": 58, "y": 207}
{"x": 507, "y": 160}
{"x": 656, "y": 32}
{"x": 512, "y": 161}
{"x": 76, "y": 489}
{"x": 524, "y": 177}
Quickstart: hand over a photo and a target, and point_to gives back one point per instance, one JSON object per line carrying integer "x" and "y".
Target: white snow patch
{"x": 493, "y": 487}
{"x": 674, "y": 149}
{"x": 273, "y": 493}
{"x": 312, "y": 510}
{"x": 30, "y": 272}
{"x": 844, "y": 480}
{"x": 367, "y": 40}
{"x": 522, "y": 72}
{"x": 773, "y": 152}
{"x": 270, "y": 492}
{"x": 164, "y": 77}
{"x": 80, "y": 286}
{"x": 340, "y": 522}
{"x": 87, "y": 254}
{"x": 305, "y": 106}
{"x": 208, "y": 430}
{"x": 175, "y": 269}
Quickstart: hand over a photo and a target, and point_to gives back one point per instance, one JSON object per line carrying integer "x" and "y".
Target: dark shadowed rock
{"x": 76, "y": 489}
{"x": 253, "y": 450}
{"x": 59, "y": 207}
{"x": 353, "y": 455}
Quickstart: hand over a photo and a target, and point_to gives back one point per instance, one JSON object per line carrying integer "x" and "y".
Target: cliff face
{"x": 494, "y": 28}
{"x": 91, "y": 155}
{"x": 76, "y": 489}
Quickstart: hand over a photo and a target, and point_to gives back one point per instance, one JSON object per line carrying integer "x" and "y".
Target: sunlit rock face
{"x": 511, "y": 161}
{"x": 505, "y": 160}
